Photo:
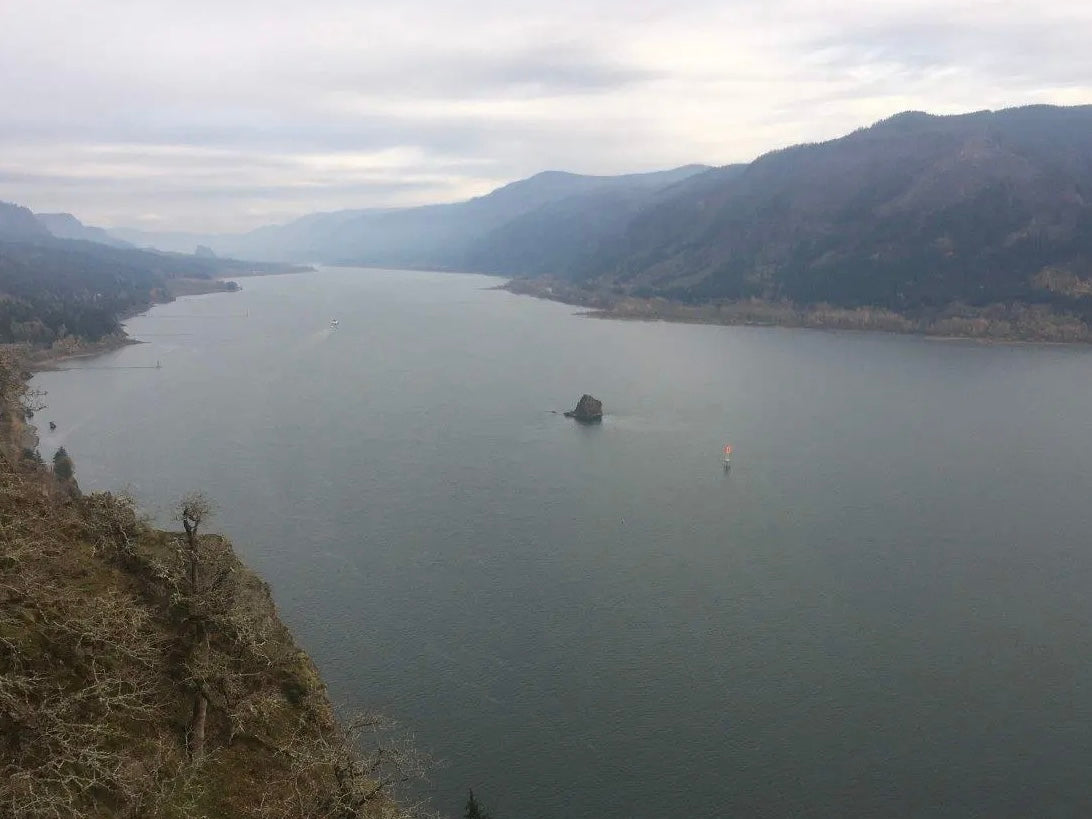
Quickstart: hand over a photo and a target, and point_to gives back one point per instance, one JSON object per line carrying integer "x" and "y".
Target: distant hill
{"x": 309, "y": 238}
{"x": 18, "y": 223}
{"x": 911, "y": 214}
{"x": 471, "y": 235}
{"x": 450, "y": 237}
{"x": 67, "y": 226}
{"x": 165, "y": 241}
{"x": 51, "y": 288}
{"x": 571, "y": 237}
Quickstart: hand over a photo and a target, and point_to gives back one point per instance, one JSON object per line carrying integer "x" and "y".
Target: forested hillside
{"x": 912, "y": 214}
{"x": 54, "y": 290}
{"x": 51, "y": 288}
{"x": 570, "y": 237}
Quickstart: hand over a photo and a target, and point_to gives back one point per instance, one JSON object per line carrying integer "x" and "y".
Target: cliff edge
{"x": 146, "y": 673}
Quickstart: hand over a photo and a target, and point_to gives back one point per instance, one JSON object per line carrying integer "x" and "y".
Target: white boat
{"x": 333, "y": 322}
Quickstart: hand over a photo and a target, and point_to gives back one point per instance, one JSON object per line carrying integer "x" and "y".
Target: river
{"x": 883, "y": 609}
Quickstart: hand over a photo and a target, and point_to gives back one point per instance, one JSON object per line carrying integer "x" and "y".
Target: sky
{"x": 223, "y": 116}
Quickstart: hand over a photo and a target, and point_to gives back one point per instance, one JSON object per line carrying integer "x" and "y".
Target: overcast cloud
{"x": 226, "y": 115}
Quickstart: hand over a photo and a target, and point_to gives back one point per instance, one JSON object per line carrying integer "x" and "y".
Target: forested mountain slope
{"x": 569, "y": 237}
{"x": 914, "y": 213}
{"x": 51, "y": 287}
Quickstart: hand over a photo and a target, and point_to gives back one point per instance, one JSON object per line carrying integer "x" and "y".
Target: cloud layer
{"x": 223, "y": 116}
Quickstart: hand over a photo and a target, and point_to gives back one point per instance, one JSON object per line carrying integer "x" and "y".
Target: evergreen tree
{"x": 474, "y": 810}
{"x": 62, "y": 466}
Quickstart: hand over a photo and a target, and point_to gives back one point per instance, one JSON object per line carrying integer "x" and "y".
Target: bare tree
{"x": 193, "y": 510}
{"x": 361, "y": 764}
{"x": 200, "y": 598}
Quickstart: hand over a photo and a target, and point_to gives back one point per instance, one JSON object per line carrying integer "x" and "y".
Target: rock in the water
{"x": 588, "y": 408}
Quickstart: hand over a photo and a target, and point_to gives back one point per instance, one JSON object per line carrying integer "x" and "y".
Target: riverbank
{"x": 51, "y": 358}
{"x": 198, "y": 287}
{"x": 38, "y": 359}
{"x": 997, "y": 322}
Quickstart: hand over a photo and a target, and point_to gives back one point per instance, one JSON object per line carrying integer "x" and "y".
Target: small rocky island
{"x": 588, "y": 410}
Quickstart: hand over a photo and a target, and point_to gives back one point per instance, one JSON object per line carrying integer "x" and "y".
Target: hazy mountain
{"x": 444, "y": 236}
{"x": 571, "y": 237}
{"x": 67, "y": 226}
{"x": 457, "y": 236}
{"x": 166, "y": 241}
{"x": 17, "y": 222}
{"x": 915, "y": 212}
{"x": 307, "y": 238}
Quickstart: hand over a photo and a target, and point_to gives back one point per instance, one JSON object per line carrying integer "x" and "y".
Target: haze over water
{"x": 885, "y": 608}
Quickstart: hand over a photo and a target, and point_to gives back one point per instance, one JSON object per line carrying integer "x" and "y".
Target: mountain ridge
{"x": 434, "y": 235}
{"x": 19, "y": 223}
{"x": 67, "y": 226}
{"x": 915, "y": 211}
{"x": 928, "y": 217}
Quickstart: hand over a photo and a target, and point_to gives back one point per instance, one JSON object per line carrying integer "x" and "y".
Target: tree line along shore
{"x": 994, "y": 322}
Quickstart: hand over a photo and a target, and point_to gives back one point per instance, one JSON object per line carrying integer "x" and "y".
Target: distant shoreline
{"x": 49, "y": 360}
{"x": 1008, "y": 324}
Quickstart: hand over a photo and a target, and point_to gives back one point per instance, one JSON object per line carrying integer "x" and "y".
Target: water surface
{"x": 885, "y": 608}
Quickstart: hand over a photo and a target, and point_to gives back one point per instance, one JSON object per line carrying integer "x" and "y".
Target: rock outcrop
{"x": 588, "y": 409}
